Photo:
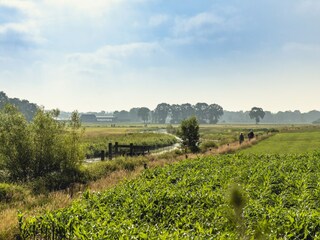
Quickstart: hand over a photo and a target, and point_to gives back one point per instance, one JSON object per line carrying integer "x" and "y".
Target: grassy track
{"x": 287, "y": 143}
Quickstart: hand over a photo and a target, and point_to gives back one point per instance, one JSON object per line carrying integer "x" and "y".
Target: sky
{"x": 118, "y": 54}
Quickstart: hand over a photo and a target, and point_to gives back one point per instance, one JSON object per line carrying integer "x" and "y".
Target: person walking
{"x": 241, "y": 138}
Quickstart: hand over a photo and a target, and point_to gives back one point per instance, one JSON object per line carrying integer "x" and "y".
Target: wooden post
{"x": 110, "y": 151}
{"x": 131, "y": 149}
{"x": 102, "y": 155}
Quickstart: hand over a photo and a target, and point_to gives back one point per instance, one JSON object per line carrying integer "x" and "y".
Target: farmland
{"x": 223, "y": 197}
{"x": 244, "y": 195}
{"x": 203, "y": 184}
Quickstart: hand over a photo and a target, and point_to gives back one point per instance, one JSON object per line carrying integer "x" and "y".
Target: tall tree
{"x": 201, "y": 110}
{"x": 161, "y": 112}
{"x": 256, "y": 113}
{"x": 16, "y": 146}
{"x": 189, "y": 133}
{"x": 134, "y": 115}
{"x": 187, "y": 110}
{"x": 176, "y": 113}
{"x": 143, "y": 113}
{"x": 214, "y": 112}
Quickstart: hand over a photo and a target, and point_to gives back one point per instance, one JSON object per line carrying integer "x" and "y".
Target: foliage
{"x": 214, "y": 112}
{"x": 223, "y": 197}
{"x": 10, "y": 192}
{"x": 161, "y": 112}
{"x": 43, "y": 147}
{"x": 143, "y": 113}
{"x": 16, "y": 146}
{"x": 256, "y": 113}
{"x": 25, "y": 107}
{"x": 189, "y": 133}
{"x": 176, "y": 113}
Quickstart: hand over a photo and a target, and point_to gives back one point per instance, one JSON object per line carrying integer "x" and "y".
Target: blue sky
{"x": 118, "y": 54}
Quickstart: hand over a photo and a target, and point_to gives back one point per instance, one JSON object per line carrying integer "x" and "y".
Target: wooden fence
{"x": 125, "y": 150}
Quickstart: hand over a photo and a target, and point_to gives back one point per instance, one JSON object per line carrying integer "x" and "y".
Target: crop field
{"x": 222, "y": 197}
{"x": 288, "y": 143}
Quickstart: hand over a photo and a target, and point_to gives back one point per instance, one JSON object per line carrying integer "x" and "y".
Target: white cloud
{"x": 202, "y": 20}
{"x": 112, "y": 56}
{"x": 29, "y": 8}
{"x": 158, "y": 20}
{"x": 25, "y": 25}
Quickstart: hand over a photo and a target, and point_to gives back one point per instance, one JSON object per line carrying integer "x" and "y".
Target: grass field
{"x": 287, "y": 143}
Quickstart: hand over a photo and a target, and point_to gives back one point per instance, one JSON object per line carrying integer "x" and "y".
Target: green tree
{"x": 187, "y": 110}
{"x": 161, "y": 112}
{"x": 214, "y": 112}
{"x": 39, "y": 149}
{"x": 57, "y": 144}
{"x": 256, "y": 113}
{"x": 16, "y": 147}
{"x": 143, "y": 113}
{"x": 201, "y": 112}
{"x": 189, "y": 133}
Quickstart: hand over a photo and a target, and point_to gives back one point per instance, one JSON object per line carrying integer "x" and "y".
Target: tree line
{"x": 205, "y": 113}
{"x": 25, "y": 107}
{"x": 175, "y": 113}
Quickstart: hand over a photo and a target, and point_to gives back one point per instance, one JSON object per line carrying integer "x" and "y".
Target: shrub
{"x": 10, "y": 192}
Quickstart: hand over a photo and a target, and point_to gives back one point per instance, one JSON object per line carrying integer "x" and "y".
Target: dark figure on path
{"x": 250, "y": 135}
{"x": 241, "y": 138}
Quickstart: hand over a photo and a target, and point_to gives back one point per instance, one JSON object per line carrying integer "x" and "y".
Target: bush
{"x": 10, "y": 192}
{"x": 58, "y": 180}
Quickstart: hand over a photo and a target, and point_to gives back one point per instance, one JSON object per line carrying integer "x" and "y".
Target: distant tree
{"x": 214, "y": 112}
{"x": 143, "y": 113}
{"x": 201, "y": 112}
{"x": 122, "y": 116}
{"x": 134, "y": 115}
{"x": 189, "y": 132}
{"x": 28, "y": 109}
{"x": 3, "y": 99}
{"x": 256, "y": 113}
{"x": 176, "y": 113}
{"x": 187, "y": 110}
{"x": 161, "y": 112}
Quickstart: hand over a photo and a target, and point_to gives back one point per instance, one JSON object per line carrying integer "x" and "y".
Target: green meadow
{"x": 287, "y": 143}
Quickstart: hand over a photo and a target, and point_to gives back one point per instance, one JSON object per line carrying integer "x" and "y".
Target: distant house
{"x": 88, "y": 118}
{"x": 106, "y": 118}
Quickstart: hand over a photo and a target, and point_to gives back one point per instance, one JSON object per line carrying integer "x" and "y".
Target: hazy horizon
{"x": 119, "y": 54}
